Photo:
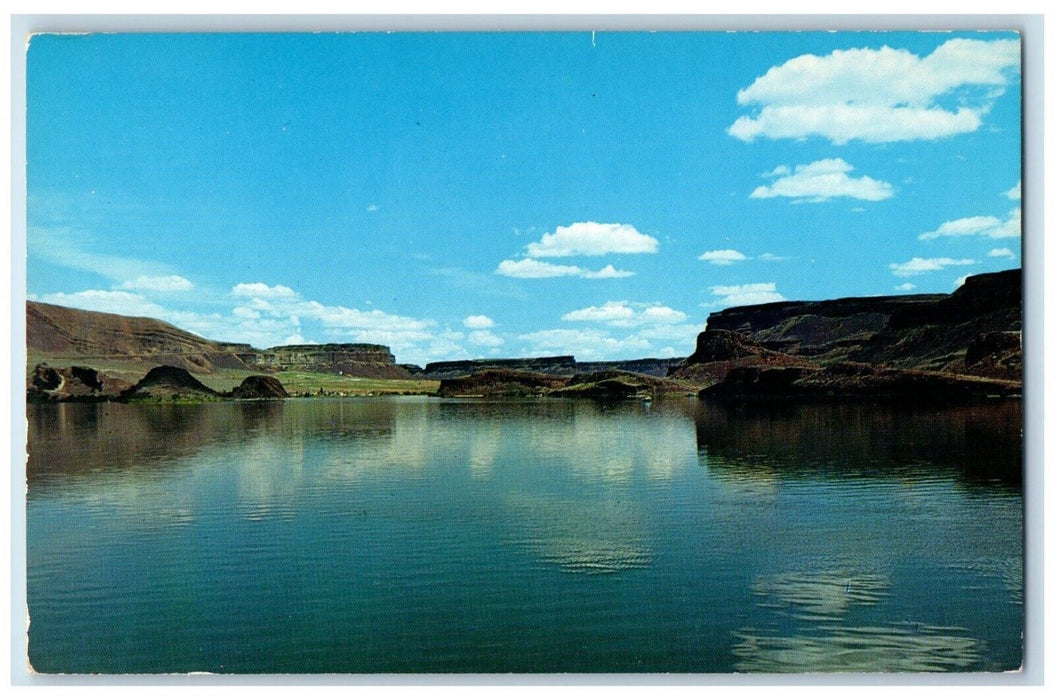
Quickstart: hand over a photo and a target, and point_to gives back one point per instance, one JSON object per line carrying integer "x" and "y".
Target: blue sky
{"x": 471, "y": 195}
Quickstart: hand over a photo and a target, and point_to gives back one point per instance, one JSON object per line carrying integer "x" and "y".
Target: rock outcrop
{"x": 926, "y": 332}
{"x": 848, "y": 381}
{"x": 718, "y": 352}
{"x": 72, "y": 384}
{"x": 501, "y": 382}
{"x": 169, "y": 383}
{"x": 953, "y": 347}
{"x": 939, "y": 335}
{"x": 616, "y": 384}
{"x": 559, "y": 365}
{"x": 352, "y": 359}
{"x": 260, "y": 387}
{"x": 607, "y": 384}
{"x": 825, "y": 330}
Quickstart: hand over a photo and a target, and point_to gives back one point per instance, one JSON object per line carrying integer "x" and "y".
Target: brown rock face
{"x": 90, "y": 336}
{"x": 260, "y": 387}
{"x": 168, "y": 382}
{"x": 72, "y": 384}
{"x": 501, "y": 382}
{"x": 93, "y": 338}
{"x": 352, "y": 359}
{"x": 724, "y": 345}
{"x": 852, "y": 381}
{"x": 917, "y": 332}
{"x": 719, "y": 352}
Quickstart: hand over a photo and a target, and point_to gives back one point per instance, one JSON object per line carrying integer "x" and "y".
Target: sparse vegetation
{"x": 315, "y": 384}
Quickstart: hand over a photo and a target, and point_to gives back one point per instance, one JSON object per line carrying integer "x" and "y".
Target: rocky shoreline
{"x": 162, "y": 383}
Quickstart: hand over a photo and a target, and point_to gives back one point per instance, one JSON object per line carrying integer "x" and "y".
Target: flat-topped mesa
{"x": 815, "y": 327}
{"x": 561, "y": 365}
{"x": 934, "y": 332}
{"x": 355, "y": 359}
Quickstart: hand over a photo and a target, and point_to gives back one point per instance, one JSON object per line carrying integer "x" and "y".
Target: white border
{"x": 522, "y": 18}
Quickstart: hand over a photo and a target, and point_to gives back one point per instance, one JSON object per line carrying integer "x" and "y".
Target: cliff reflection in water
{"x": 860, "y": 496}
{"x": 974, "y": 444}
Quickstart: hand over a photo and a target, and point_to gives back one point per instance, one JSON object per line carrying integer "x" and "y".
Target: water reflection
{"x": 793, "y": 539}
{"x": 907, "y": 648}
{"x": 977, "y": 445}
{"x": 269, "y": 460}
{"x": 820, "y": 596}
{"x": 69, "y": 439}
{"x": 598, "y": 536}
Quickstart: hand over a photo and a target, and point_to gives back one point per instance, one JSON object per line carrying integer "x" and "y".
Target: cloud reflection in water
{"x": 907, "y": 648}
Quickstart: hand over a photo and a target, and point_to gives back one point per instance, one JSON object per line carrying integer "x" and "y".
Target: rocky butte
{"x": 354, "y": 359}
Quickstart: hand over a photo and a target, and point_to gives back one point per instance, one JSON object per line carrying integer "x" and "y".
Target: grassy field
{"x": 312, "y": 384}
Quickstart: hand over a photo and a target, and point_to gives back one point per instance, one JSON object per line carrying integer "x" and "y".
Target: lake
{"x": 414, "y": 534}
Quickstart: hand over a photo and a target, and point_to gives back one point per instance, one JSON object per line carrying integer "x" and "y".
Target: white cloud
{"x": 584, "y": 344}
{"x": 822, "y": 180}
{"x": 722, "y": 257}
{"x": 779, "y": 171}
{"x": 362, "y": 324}
{"x": 478, "y": 322}
{"x": 281, "y": 311}
{"x": 623, "y": 314}
{"x": 262, "y": 291}
{"x": 987, "y": 226}
{"x": 592, "y": 238}
{"x": 769, "y": 257}
{"x": 745, "y": 294}
{"x": 659, "y": 314}
{"x": 372, "y": 208}
{"x": 113, "y": 302}
{"x": 529, "y": 268}
{"x": 878, "y": 95}
{"x": 918, "y": 266}
{"x": 1015, "y": 192}
{"x": 1001, "y": 253}
{"x": 607, "y": 272}
{"x": 608, "y": 312}
{"x": 906, "y": 287}
{"x": 486, "y": 338}
{"x": 161, "y": 283}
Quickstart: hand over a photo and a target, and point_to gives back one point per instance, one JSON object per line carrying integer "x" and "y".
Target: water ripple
{"x": 908, "y": 648}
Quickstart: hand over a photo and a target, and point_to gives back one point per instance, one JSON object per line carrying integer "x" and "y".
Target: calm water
{"x": 427, "y": 535}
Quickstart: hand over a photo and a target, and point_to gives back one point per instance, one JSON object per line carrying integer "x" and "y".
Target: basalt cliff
{"x": 921, "y": 348}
